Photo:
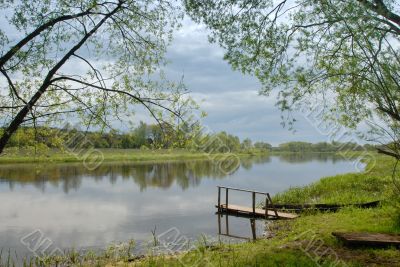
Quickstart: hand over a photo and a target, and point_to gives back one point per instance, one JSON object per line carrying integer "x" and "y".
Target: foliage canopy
{"x": 341, "y": 55}
{"x": 94, "y": 60}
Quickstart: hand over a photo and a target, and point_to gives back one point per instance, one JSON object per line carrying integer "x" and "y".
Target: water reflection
{"x": 77, "y": 208}
{"x": 306, "y": 157}
{"x": 225, "y": 229}
{"x": 69, "y": 176}
{"x": 162, "y": 175}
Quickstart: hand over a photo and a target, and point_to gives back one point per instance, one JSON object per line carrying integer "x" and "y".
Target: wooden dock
{"x": 368, "y": 239}
{"x": 257, "y": 212}
{"x": 268, "y": 212}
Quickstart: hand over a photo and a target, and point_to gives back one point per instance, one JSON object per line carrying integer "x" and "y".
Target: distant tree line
{"x": 153, "y": 136}
{"x": 322, "y": 147}
{"x": 144, "y": 136}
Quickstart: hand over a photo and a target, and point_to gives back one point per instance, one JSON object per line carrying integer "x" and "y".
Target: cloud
{"x": 230, "y": 98}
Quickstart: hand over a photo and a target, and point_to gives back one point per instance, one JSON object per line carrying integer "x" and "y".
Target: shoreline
{"x": 123, "y": 155}
{"x": 138, "y": 156}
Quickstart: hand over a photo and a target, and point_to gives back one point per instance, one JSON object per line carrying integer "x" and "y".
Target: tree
{"x": 263, "y": 146}
{"x": 91, "y": 60}
{"x": 140, "y": 134}
{"x": 296, "y": 146}
{"x": 246, "y": 144}
{"x": 342, "y": 55}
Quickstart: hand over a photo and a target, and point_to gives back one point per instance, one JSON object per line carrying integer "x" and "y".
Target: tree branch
{"x": 381, "y": 9}
{"x": 19, "y": 118}
{"x": 388, "y": 153}
{"x": 7, "y": 56}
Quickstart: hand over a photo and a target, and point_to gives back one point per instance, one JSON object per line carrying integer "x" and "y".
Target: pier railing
{"x": 268, "y": 201}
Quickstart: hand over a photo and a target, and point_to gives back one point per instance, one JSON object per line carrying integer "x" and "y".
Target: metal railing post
{"x": 219, "y": 199}
{"x": 254, "y": 203}
{"x": 226, "y": 197}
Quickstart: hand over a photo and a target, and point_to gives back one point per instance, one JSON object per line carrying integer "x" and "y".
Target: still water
{"x": 77, "y": 208}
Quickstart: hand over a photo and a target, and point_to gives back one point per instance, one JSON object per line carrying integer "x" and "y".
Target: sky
{"x": 230, "y": 98}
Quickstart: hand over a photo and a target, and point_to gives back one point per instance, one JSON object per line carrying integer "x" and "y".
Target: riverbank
{"x": 110, "y": 155}
{"x": 93, "y": 156}
{"x": 307, "y": 241}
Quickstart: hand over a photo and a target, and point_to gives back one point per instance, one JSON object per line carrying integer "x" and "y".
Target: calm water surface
{"x": 77, "y": 208}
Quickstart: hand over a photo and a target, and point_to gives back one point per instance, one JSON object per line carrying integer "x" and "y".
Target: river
{"x": 72, "y": 207}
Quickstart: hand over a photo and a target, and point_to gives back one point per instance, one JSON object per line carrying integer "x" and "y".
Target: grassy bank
{"x": 135, "y": 155}
{"x": 306, "y": 241}
{"x": 109, "y": 155}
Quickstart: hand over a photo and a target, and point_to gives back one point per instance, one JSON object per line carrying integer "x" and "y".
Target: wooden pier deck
{"x": 257, "y": 212}
{"x": 268, "y": 211}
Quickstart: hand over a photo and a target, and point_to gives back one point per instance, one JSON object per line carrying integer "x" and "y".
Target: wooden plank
{"x": 258, "y": 212}
{"x": 368, "y": 239}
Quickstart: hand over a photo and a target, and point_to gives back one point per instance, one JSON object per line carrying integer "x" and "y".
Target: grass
{"x": 306, "y": 241}
{"x": 376, "y": 184}
{"x": 108, "y": 155}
